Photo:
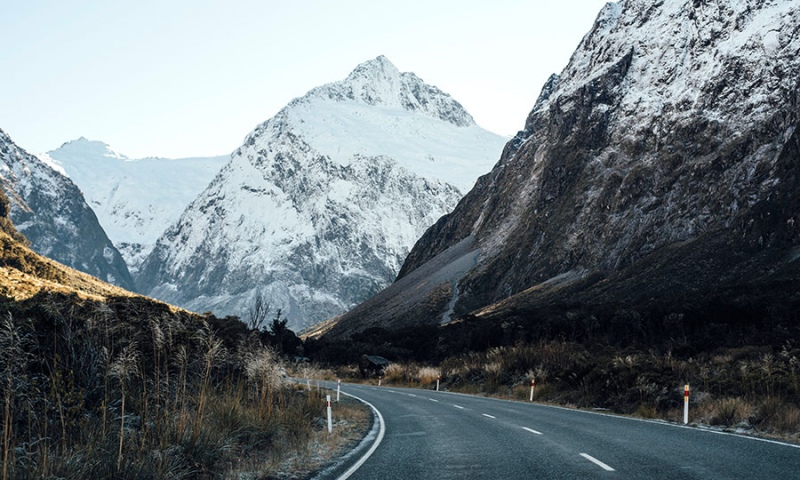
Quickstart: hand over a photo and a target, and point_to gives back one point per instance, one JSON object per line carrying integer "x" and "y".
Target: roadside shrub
{"x": 728, "y": 412}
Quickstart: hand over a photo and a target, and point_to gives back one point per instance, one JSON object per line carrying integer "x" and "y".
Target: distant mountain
{"x": 318, "y": 208}
{"x": 51, "y": 212}
{"x": 656, "y": 178}
{"x": 134, "y": 199}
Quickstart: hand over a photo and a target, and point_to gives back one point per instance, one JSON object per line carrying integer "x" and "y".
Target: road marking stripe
{"x": 458, "y": 406}
{"x": 663, "y": 423}
{"x": 487, "y": 415}
{"x": 597, "y": 462}
{"x": 531, "y": 430}
{"x": 433, "y": 400}
{"x": 411, "y": 395}
{"x": 392, "y": 391}
{"x": 633, "y": 419}
{"x": 381, "y": 433}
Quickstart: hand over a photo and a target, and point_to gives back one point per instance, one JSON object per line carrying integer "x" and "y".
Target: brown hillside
{"x": 25, "y": 274}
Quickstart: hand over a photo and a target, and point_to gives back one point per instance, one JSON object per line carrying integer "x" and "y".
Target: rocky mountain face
{"x": 316, "y": 211}
{"x": 52, "y": 213}
{"x": 657, "y": 174}
{"x": 134, "y": 199}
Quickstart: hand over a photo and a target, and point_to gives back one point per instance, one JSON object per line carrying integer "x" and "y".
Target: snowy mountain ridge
{"x": 134, "y": 199}
{"x": 379, "y": 82}
{"x": 318, "y": 208}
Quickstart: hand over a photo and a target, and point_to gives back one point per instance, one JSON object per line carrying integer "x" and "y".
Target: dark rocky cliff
{"x": 656, "y": 172}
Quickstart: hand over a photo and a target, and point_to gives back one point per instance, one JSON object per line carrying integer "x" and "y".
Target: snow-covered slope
{"x": 377, "y": 110}
{"x": 134, "y": 199}
{"x": 51, "y": 212}
{"x": 319, "y": 206}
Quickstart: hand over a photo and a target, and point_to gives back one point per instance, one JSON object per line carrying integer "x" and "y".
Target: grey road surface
{"x": 439, "y": 435}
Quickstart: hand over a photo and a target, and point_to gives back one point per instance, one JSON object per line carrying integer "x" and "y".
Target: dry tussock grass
{"x": 411, "y": 374}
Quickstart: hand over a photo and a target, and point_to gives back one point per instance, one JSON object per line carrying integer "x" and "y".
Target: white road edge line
{"x": 458, "y": 406}
{"x": 378, "y": 440}
{"x": 531, "y": 430}
{"x": 664, "y": 423}
{"x": 487, "y": 415}
{"x": 634, "y": 419}
{"x": 597, "y": 462}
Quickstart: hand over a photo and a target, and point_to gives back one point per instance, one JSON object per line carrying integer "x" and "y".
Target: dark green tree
{"x": 281, "y": 337}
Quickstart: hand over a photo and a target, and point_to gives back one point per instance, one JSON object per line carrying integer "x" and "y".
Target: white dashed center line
{"x": 531, "y": 430}
{"x": 597, "y": 462}
{"x": 487, "y": 415}
{"x": 458, "y": 406}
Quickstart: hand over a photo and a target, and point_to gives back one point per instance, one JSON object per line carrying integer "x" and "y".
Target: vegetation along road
{"x": 439, "y": 435}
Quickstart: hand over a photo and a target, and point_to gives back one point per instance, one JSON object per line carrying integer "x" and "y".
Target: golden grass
{"x": 24, "y": 274}
{"x": 317, "y": 330}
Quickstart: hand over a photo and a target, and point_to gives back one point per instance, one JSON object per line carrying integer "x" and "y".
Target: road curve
{"x": 440, "y": 435}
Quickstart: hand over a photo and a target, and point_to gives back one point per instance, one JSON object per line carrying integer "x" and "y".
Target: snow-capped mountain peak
{"x": 378, "y": 110}
{"x": 378, "y": 82}
{"x": 319, "y": 206}
{"x": 83, "y": 147}
{"x": 375, "y": 82}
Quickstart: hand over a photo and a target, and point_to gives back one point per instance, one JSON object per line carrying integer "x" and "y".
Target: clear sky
{"x": 179, "y": 78}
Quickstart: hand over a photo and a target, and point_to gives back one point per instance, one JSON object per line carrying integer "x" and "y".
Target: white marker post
{"x": 308, "y": 384}
{"x": 338, "y": 387}
{"x": 533, "y": 386}
{"x": 686, "y": 404}
{"x": 330, "y": 424}
{"x": 379, "y": 381}
{"x": 437, "y": 382}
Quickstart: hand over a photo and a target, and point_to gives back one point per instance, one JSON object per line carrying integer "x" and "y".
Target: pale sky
{"x": 180, "y": 78}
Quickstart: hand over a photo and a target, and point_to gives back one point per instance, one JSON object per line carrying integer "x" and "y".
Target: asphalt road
{"x": 439, "y": 435}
